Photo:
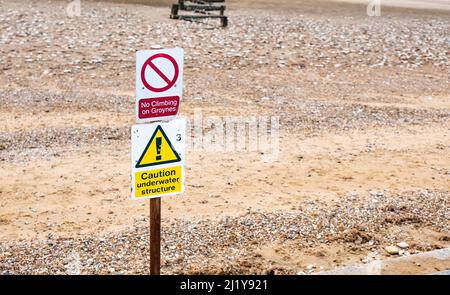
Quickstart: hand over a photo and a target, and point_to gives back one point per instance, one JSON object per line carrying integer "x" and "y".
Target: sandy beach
{"x": 363, "y": 106}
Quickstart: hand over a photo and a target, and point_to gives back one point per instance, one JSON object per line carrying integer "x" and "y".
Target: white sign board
{"x": 157, "y": 159}
{"x": 159, "y": 84}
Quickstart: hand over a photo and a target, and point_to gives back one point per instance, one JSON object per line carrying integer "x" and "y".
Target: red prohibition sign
{"x": 149, "y": 62}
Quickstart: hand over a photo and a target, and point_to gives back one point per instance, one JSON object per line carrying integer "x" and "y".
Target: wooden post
{"x": 155, "y": 236}
{"x": 174, "y": 11}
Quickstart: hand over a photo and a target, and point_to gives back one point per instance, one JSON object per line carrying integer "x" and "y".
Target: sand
{"x": 65, "y": 152}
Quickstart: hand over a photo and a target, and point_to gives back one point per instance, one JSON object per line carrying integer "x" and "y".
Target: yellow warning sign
{"x": 158, "y": 151}
{"x": 157, "y": 182}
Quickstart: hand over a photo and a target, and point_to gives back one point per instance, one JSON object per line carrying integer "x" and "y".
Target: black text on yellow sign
{"x": 158, "y": 182}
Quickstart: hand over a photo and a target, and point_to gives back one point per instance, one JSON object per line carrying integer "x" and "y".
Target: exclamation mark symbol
{"x": 158, "y": 148}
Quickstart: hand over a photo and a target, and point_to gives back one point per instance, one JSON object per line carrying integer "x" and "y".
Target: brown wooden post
{"x": 155, "y": 236}
{"x": 174, "y": 11}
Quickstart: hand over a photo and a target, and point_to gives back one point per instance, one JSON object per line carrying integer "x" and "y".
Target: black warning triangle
{"x": 159, "y": 150}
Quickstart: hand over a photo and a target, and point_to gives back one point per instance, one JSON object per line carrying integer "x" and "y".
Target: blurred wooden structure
{"x": 202, "y": 9}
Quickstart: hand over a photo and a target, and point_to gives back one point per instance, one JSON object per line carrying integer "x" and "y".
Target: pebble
{"x": 392, "y": 250}
{"x": 402, "y": 245}
{"x": 310, "y": 267}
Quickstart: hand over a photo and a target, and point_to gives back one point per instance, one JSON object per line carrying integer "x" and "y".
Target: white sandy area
{"x": 420, "y": 4}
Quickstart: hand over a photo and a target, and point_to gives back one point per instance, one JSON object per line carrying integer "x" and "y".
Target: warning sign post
{"x": 157, "y": 170}
{"x": 159, "y": 84}
{"x": 158, "y": 149}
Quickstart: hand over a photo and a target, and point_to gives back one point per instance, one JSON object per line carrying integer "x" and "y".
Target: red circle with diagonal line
{"x": 170, "y": 82}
